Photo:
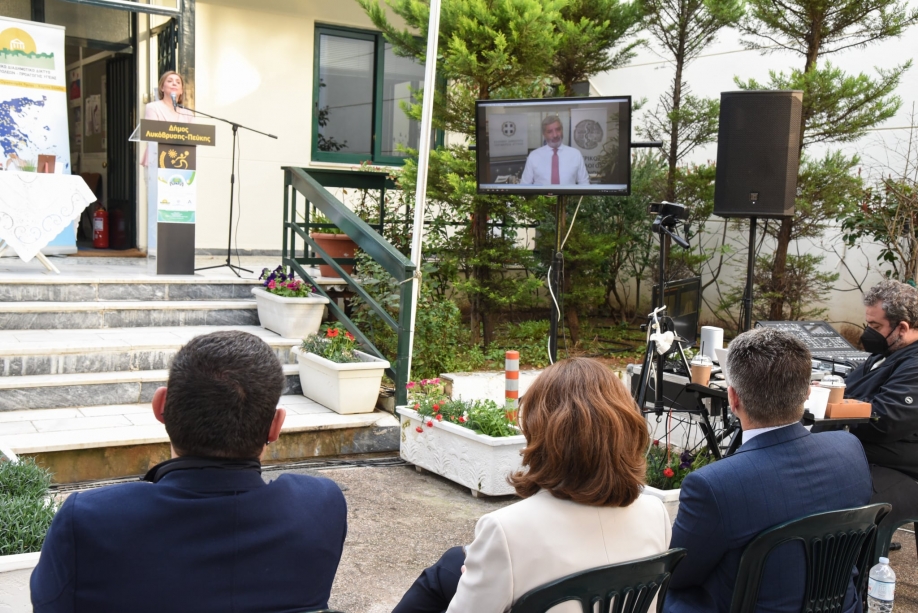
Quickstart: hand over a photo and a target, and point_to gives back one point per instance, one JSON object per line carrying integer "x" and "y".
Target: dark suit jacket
{"x": 778, "y": 476}
{"x": 198, "y": 540}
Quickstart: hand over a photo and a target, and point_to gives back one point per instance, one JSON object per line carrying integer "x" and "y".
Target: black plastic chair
{"x": 629, "y": 587}
{"x": 885, "y": 536}
{"x": 835, "y": 543}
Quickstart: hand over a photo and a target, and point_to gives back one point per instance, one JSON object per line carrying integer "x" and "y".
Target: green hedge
{"x": 26, "y": 510}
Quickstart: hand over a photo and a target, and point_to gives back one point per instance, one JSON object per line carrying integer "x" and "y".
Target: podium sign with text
{"x": 176, "y": 189}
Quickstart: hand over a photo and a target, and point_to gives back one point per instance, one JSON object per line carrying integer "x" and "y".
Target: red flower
{"x": 656, "y": 443}
{"x": 417, "y": 406}
{"x": 419, "y": 429}
{"x": 462, "y": 419}
{"x": 332, "y": 332}
{"x": 668, "y": 472}
{"x": 436, "y": 408}
{"x": 430, "y": 423}
{"x": 439, "y": 418}
{"x": 349, "y": 336}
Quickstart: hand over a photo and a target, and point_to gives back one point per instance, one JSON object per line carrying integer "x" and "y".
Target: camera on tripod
{"x": 671, "y": 211}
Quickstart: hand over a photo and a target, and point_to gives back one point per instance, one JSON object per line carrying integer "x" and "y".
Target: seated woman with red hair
{"x": 583, "y": 468}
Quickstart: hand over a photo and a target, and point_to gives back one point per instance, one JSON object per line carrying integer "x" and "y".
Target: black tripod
{"x": 668, "y": 214}
{"x": 229, "y": 240}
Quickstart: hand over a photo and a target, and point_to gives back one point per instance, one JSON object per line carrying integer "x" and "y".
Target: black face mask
{"x": 874, "y": 342}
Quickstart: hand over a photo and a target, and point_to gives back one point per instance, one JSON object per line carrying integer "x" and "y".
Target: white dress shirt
{"x": 748, "y": 435}
{"x": 570, "y": 163}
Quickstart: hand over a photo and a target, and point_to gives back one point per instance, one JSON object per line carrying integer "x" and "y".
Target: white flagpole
{"x": 420, "y": 203}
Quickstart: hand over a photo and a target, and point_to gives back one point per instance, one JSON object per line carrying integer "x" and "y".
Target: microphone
{"x": 174, "y": 103}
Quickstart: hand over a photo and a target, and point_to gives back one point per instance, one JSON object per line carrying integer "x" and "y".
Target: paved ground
{"x": 401, "y": 521}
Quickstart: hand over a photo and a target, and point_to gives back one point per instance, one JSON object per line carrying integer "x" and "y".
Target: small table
{"x": 832, "y": 423}
{"x": 35, "y": 208}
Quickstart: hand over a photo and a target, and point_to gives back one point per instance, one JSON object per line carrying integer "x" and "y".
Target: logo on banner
{"x": 508, "y": 128}
{"x": 588, "y": 134}
{"x": 17, "y": 48}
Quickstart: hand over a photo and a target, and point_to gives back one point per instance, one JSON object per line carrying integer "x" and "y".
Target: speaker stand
{"x": 750, "y": 278}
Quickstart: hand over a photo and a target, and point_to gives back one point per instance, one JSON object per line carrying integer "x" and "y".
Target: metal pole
{"x": 660, "y": 358}
{"x": 554, "y": 319}
{"x": 750, "y": 278}
{"x": 420, "y": 200}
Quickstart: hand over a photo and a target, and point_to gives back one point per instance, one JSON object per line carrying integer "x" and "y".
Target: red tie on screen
{"x": 555, "y": 168}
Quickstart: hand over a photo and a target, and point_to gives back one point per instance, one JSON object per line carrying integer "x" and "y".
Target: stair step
{"x": 53, "y": 352}
{"x": 126, "y": 314}
{"x": 79, "y": 289}
{"x": 98, "y": 442}
{"x": 95, "y": 388}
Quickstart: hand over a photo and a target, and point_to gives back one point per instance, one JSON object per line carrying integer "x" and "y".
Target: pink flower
{"x": 435, "y": 381}
{"x": 272, "y": 284}
{"x": 410, "y": 385}
{"x": 424, "y": 382}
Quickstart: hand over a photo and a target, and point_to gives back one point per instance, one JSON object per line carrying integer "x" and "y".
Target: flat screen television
{"x": 554, "y": 146}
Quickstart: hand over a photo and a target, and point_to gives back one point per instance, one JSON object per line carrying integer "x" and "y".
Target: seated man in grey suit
{"x": 780, "y": 473}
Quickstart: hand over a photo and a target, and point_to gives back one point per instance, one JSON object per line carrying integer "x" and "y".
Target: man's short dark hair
{"x": 770, "y": 371}
{"x": 898, "y": 300}
{"x": 222, "y": 396}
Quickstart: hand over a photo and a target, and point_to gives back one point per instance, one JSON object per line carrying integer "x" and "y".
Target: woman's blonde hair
{"x": 585, "y": 438}
{"x": 181, "y": 97}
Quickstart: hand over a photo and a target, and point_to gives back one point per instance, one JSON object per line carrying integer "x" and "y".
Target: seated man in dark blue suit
{"x": 202, "y": 532}
{"x": 780, "y": 473}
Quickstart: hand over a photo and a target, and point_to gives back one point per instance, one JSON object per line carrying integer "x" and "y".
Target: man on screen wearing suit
{"x": 780, "y": 473}
{"x": 554, "y": 163}
{"x": 203, "y": 531}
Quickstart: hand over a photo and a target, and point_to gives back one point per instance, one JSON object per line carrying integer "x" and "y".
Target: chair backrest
{"x": 629, "y": 587}
{"x": 835, "y": 543}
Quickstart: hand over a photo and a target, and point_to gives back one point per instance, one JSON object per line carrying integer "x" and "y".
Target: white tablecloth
{"x": 36, "y": 207}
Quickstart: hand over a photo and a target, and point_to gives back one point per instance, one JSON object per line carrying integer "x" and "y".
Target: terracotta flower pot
{"x": 336, "y": 246}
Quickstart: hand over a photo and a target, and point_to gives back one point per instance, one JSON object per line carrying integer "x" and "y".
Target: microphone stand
{"x": 229, "y": 240}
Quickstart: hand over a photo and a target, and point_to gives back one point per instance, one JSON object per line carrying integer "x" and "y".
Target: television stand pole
{"x": 554, "y": 275}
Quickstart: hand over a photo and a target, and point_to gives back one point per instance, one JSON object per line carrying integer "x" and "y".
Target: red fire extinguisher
{"x": 100, "y": 229}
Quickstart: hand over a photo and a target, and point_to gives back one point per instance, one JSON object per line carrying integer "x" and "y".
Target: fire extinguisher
{"x": 100, "y": 229}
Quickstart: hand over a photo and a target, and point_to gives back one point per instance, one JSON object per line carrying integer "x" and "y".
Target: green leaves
{"x": 838, "y": 107}
{"x": 26, "y": 510}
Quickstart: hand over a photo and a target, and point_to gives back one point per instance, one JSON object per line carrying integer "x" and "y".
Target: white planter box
{"x": 343, "y": 388}
{"x": 670, "y": 499}
{"x": 15, "y": 572}
{"x": 289, "y": 317}
{"x": 481, "y": 463}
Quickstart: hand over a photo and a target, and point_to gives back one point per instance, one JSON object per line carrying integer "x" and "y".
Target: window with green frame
{"x": 359, "y": 86}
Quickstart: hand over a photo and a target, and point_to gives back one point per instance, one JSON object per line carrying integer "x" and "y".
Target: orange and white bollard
{"x": 512, "y": 378}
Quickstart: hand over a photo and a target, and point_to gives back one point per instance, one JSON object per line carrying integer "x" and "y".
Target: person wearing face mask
{"x": 888, "y": 380}
{"x": 554, "y": 163}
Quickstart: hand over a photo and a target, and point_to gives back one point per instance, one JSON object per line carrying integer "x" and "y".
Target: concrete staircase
{"x": 80, "y": 358}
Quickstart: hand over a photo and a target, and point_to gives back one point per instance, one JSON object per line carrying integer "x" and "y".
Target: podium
{"x": 175, "y": 192}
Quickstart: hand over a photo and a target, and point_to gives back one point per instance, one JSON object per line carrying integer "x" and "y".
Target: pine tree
{"x": 837, "y": 107}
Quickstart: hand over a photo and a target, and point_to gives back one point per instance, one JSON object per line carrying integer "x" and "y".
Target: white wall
{"x": 254, "y": 65}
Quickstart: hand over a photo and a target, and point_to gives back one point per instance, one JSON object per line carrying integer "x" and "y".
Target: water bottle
{"x": 880, "y": 588}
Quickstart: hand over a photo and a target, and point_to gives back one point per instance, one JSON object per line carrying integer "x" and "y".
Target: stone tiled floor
{"x": 53, "y": 429}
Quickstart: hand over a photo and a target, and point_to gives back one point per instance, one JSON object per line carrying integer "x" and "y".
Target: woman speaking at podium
{"x": 171, "y": 90}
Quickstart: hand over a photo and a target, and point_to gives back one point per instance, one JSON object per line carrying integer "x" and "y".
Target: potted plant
{"x": 335, "y": 374}
{"x": 667, "y": 466}
{"x": 287, "y": 305}
{"x": 26, "y": 511}
{"x": 476, "y": 444}
{"x": 335, "y": 243}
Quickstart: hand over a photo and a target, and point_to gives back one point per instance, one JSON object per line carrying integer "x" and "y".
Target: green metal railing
{"x": 311, "y": 185}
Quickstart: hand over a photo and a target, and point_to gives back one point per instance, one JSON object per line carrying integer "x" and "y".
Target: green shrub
{"x": 26, "y": 510}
